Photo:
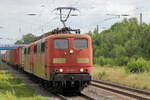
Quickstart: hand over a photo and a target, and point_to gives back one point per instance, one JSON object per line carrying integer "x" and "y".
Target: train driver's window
{"x": 29, "y": 50}
{"x": 43, "y": 47}
{"x": 25, "y": 51}
{"x": 35, "y": 49}
{"x": 61, "y": 43}
{"x": 80, "y": 43}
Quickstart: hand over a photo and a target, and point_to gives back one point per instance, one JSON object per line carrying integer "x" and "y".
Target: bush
{"x": 104, "y": 61}
{"x": 110, "y": 62}
{"x": 122, "y": 61}
{"x": 138, "y": 65}
{"x": 99, "y": 60}
{"x": 100, "y": 75}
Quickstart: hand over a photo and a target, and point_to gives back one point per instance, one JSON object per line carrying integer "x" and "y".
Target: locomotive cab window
{"x": 61, "y": 43}
{"x": 35, "y": 49}
{"x": 80, "y": 43}
{"x": 28, "y": 50}
{"x": 25, "y": 51}
{"x": 43, "y": 47}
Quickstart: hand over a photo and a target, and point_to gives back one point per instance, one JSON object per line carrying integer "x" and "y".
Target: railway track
{"x": 80, "y": 96}
{"x": 68, "y": 96}
{"x": 121, "y": 89}
{"x": 33, "y": 80}
{"x": 86, "y": 97}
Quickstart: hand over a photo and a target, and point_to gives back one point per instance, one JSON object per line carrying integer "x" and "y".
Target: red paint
{"x": 31, "y": 57}
{"x": 14, "y": 56}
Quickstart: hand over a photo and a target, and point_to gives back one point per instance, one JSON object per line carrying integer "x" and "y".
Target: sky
{"x": 16, "y": 22}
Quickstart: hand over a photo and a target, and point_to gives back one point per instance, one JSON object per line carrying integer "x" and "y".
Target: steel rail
{"x": 62, "y": 97}
{"x": 86, "y": 97}
{"x": 121, "y": 89}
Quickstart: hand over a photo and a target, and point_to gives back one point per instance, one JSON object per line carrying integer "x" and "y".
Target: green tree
{"x": 19, "y": 42}
{"x": 26, "y": 39}
{"x": 122, "y": 41}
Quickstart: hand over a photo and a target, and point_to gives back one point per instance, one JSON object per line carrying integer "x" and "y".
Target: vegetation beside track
{"x": 120, "y": 75}
{"x": 14, "y": 89}
{"x": 125, "y": 43}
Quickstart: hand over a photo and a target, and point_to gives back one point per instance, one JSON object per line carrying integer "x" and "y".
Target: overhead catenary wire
{"x": 73, "y": 4}
{"x": 51, "y": 12}
{"x": 42, "y": 26}
{"x": 77, "y": 2}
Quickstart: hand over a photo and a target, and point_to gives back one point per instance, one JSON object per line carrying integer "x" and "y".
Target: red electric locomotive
{"x": 64, "y": 60}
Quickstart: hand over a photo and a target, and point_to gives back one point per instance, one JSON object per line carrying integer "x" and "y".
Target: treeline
{"x": 26, "y": 39}
{"x": 123, "y": 42}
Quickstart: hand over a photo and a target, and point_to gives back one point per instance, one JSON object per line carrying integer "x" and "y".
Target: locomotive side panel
{"x": 17, "y": 56}
{"x": 39, "y": 66}
{"x": 11, "y": 57}
{"x": 21, "y": 53}
{"x": 27, "y": 59}
{"x": 43, "y": 60}
{"x": 35, "y": 60}
{"x": 31, "y": 61}
{"x": 7, "y": 56}
{"x": 40, "y": 60}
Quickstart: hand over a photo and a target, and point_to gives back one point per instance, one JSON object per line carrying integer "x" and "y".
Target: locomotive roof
{"x": 59, "y": 36}
{"x": 69, "y": 35}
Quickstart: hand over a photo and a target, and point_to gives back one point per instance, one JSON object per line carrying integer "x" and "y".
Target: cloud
{"x": 116, "y": 7}
{"x": 93, "y": 12}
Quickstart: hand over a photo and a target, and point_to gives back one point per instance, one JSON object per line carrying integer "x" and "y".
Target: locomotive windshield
{"x": 61, "y": 43}
{"x": 80, "y": 43}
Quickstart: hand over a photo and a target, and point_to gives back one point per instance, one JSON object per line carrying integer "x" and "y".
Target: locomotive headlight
{"x": 61, "y": 70}
{"x": 81, "y": 70}
{"x": 71, "y": 51}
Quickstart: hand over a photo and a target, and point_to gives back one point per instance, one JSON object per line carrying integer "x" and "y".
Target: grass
{"x": 14, "y": 89}
{"x": 119, "y": 75}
